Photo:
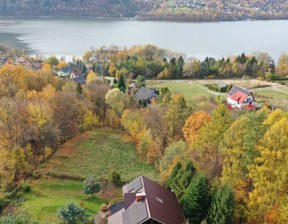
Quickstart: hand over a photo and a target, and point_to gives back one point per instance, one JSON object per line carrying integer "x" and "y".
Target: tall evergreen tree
{"x": 79, "y": 89}
{"x": 222, "y": 207}
{"x": 173, "y": 174}
{"x": 196, "y": 200}
{"x": 121, "y": 83}
{"x": 182, "y": 180}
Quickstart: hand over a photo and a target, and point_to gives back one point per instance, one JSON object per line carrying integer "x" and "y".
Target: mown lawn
{"x": 50, "y": 194}
{"x": 190, "y": 90}
{"x": 273, "y": 98}
{"x": 105, "y": 150}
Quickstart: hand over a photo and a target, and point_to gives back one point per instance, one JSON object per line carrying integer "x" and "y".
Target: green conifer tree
{"x": 121, "y": 83}
{"x": 196, "y": 200}
{"x": 173, "y": 174}
{"x": 79, "y": 89}
{"x": 222, "y": 207}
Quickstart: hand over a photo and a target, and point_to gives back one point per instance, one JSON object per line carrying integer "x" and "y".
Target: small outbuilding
{"x": 222, "y": 85}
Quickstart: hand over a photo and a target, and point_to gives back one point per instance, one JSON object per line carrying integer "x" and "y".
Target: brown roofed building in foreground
{"x": 147, "y": 202}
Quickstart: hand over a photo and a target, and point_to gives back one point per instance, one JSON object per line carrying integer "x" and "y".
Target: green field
{"x": 103, "y": 151}
{"x": 48, "y": 195}
{"x": 97, "y": 153}
{"x": 273, "y": 98}
{"x": 190, "y": 90}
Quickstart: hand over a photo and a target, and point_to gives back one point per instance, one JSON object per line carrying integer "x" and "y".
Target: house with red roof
{"x": 239, "y": 97}
{"x": 147, "y": 202}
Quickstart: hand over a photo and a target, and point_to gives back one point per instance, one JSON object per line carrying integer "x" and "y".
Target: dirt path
{"x": 207, "y": 90}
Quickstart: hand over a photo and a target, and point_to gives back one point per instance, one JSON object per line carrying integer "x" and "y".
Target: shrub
{"x": 15, "y": 218}
{"x": 115, "y": 177}
{"x": 104, "y": 207}
{"x": 213, "y": 88}
{"x": 8, "y": 186}
{"x": 3, "y": 202}
{"x": 223, "y": 89}
{"x": 71, "y": 213}
{"x": 26, "y": 187}
{"x": 229, "y": 87}
{"x": 91, "y": 185}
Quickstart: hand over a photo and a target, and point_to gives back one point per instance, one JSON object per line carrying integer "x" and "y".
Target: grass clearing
{"x": 50, "y": 194}
{"x": 190, "y": 90}
{"x": 102, "y": 151}
{"x": 273, "y": 98}
{"x": 91, "y": 153}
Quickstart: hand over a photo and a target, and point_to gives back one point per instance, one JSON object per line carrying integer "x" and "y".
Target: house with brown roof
{"x": 147, "y": 202}
{"x": 239, "y": 97}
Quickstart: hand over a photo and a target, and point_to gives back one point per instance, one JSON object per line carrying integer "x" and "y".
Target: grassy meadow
{"x": 48, "y": 195}
{"x": 272, "y": 98}
{"x": 190, "y": 90}
{"x": 96, "y": 152}
{"x": 99, "y": 153}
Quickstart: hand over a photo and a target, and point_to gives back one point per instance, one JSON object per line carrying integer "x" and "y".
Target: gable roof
{"x": 222, "y": 84}
{"x": 158, "y": 203}
{"x": 65, "y": 69}
{"x": 238, "y": 94}
{"x": 144, "y": 94}
{"x": 81, "y": 79}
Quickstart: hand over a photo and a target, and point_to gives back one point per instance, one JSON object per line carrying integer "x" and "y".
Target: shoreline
{"x": 141, "y": 18}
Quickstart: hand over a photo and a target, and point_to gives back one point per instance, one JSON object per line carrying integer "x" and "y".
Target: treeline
{"x": 156, "y": 63}
{"x": 80, "y": 8}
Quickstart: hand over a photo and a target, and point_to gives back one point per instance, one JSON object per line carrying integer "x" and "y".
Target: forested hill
{"x": 182, "y": 10}
{"x": 79, "y": 8}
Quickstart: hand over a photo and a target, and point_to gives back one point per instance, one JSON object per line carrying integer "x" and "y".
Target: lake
{"x": 67, "y": 37}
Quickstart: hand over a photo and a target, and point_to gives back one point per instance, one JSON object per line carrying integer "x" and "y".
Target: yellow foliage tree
{"x": 193, "y": 125}
{"x": 270, "y": 173}
{"x": 61, "y": 65}
{"x": 92, "y": 76}
{"x": 47, "y": 68}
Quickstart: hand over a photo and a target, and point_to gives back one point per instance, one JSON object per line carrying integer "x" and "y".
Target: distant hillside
{"x": 218, "y": 10}
{"x": 79, "y": 8}
{"x": 182, "y": 10}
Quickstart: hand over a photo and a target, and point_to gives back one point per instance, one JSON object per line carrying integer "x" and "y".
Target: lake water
{"x": 67, "y": 37}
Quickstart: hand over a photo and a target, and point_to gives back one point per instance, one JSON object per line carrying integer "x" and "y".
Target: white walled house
{"x": 239, "y": 97}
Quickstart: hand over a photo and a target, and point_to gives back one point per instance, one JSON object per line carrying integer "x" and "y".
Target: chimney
{"x": 140, "y": 196}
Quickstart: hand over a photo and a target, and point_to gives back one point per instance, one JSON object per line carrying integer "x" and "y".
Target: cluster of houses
{"x": 74, "y": 74}
{"x": 21, "y": 61}
{"x": 144, "y": 202}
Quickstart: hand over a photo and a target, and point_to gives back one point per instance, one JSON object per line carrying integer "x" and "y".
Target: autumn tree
{"x": 176, "y": 151}
{"x": 282, "y": 65}
{"x": 52, "y": 60}
{"x": 193, "y": 125}
{"x": 269, "y": 171}
{"x": 206, "y": 151}
{"x": 115, "y": 98}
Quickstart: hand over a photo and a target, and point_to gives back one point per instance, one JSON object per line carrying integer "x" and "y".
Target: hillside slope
{"x": 80, "y": 8}
{"x": 186, "y": 10}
